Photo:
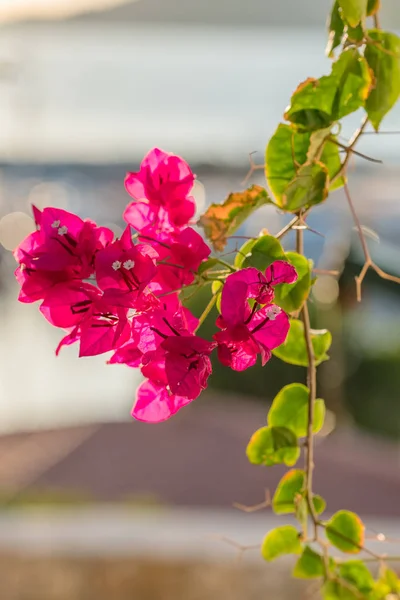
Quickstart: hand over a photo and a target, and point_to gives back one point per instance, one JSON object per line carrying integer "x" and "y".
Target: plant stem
{"x": 312, "y": 386}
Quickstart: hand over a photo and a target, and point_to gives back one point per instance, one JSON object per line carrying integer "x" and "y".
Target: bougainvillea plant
{"x": 126, "y": 295}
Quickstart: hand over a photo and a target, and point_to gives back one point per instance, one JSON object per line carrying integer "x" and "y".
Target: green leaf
{"x": 309, "y": 565}
{"x": 293, "y": 350}
{"x": 356, "y": 573}
{"x": 289, "y": 488}
{"x": 216, "y": 289}
{"x": 383, "y": 56}
{"x": 310, "y": 186}
{"x": 372, "y": 7}
{"x": 330, "y": 157}
{"x": 353, "y": 11}
{"x": 345, "y": 531}
{"x": 260, "y": 253}
{"x": 221, "y": 220}
{"x": 273, "y": 445}
{"x": 318, "y": 103}
{"x": 388, "y": 583}
{"x": 206, "y": 265}
{"x": 291, "y": 297}
{"x": 286, "y": 150}
{"x": 289, "y": 149}
{"x": 355, "y": 35}
{"x": 290, "y": 409}
{"x": 335, "y": 28}
{"x": 280, "y": 541}
{"x": 333, "y": 590}
{"x": 319, "y": 504}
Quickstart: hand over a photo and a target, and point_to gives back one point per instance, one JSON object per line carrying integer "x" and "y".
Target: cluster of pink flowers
{"x": 122, "y": 295}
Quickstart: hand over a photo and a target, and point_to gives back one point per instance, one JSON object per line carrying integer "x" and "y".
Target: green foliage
{"x": 288, "y": 491}
{"x": 259, "y": 253}
{"x": 356, "y": 573}
{"x": 335, "y": 29}
{"x": 207, "y": 265}
{"x": 353, "y": 11}
{"x": 309, "y": 565}
{"x": 290, "y": 409}
{"x": 388, "y": 583}
{"x": 280, "y": 541}
{"x": 291, "y": 297}
{"x": 294, "y": 350}
{"x": 221, "y": 220}
{"x": 335, "y": 590}
{"x": 345, "y": 531}
{"x": 273, "y": 445}
{"x": 319, "y": 504}
{"x": 290, "y": 150}
{"x": 318, "y": 103}
{"x": 310, "y": 186}
{"x": 373, "y": 7}
{"x": 216, "y": 288}
{"x": 383, "y": 56}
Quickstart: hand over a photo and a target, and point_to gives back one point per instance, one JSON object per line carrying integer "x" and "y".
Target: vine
{"x": 130, "y": 295}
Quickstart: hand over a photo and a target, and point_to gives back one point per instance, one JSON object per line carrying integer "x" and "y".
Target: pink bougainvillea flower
{"x": 161, "y": 190}
{"x": 151, "y": 328}
{"x": 263, "y": 330}
{"x": 62, "y": 249}
{"x": 280, "y": 272}
{"x": 125, "y": 269}
{"x": 99, "y": 333}
{"x": 179, "y": 261}
{"x": 176, "y": 374}
{"x": 251, "y": 283}
{"x": 187, "y": 364}
{"x": 80, "y": 308}
{"x": 155, "y": 403}
{"x": 247, "y": 332}
{"x": 67, "y": 304}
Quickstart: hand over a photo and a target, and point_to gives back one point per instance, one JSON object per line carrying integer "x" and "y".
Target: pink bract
{"x": 163, "y": 183}
{"x": 154, "y": 403}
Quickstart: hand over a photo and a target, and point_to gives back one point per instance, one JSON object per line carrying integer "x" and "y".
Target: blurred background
{"x": 93, "y": 504}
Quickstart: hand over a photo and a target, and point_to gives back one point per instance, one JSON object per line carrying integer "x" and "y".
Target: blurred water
{"x": 93, "y": 93}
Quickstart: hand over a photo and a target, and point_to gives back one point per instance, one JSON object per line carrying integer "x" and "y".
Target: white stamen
{"x": 129, "y": 264}
{"x": 273, "y": 312}
{"x": 62, "y": 230}
{"x": 116, "y": 265}
{"x": 55, "y": 224}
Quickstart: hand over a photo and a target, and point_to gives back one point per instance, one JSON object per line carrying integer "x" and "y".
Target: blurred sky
{"x": 209, "y": 80}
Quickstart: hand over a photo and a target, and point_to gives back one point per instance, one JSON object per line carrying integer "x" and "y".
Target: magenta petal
{"x": 238, "y": 353}
{"x": 99, "y": 336}
{"x": 269, "y": 327}
{"x": 128, "y": 355}
{"x": 66, "y": 305}
{"x": 140, "y": 215}
{"x": 69, "y": 339}
{"x": 234, "y": 305}
{"x": 154, "y": 403}
{"x": 54, "y": 218}
{"x": 280, "y": 272}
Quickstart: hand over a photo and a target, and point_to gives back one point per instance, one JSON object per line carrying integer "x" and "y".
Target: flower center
{"x": 116, "y": 265}
{"x": 62, "y": 230}
{"x": 273, "y": 312}
{"x": 129, "y": 264}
